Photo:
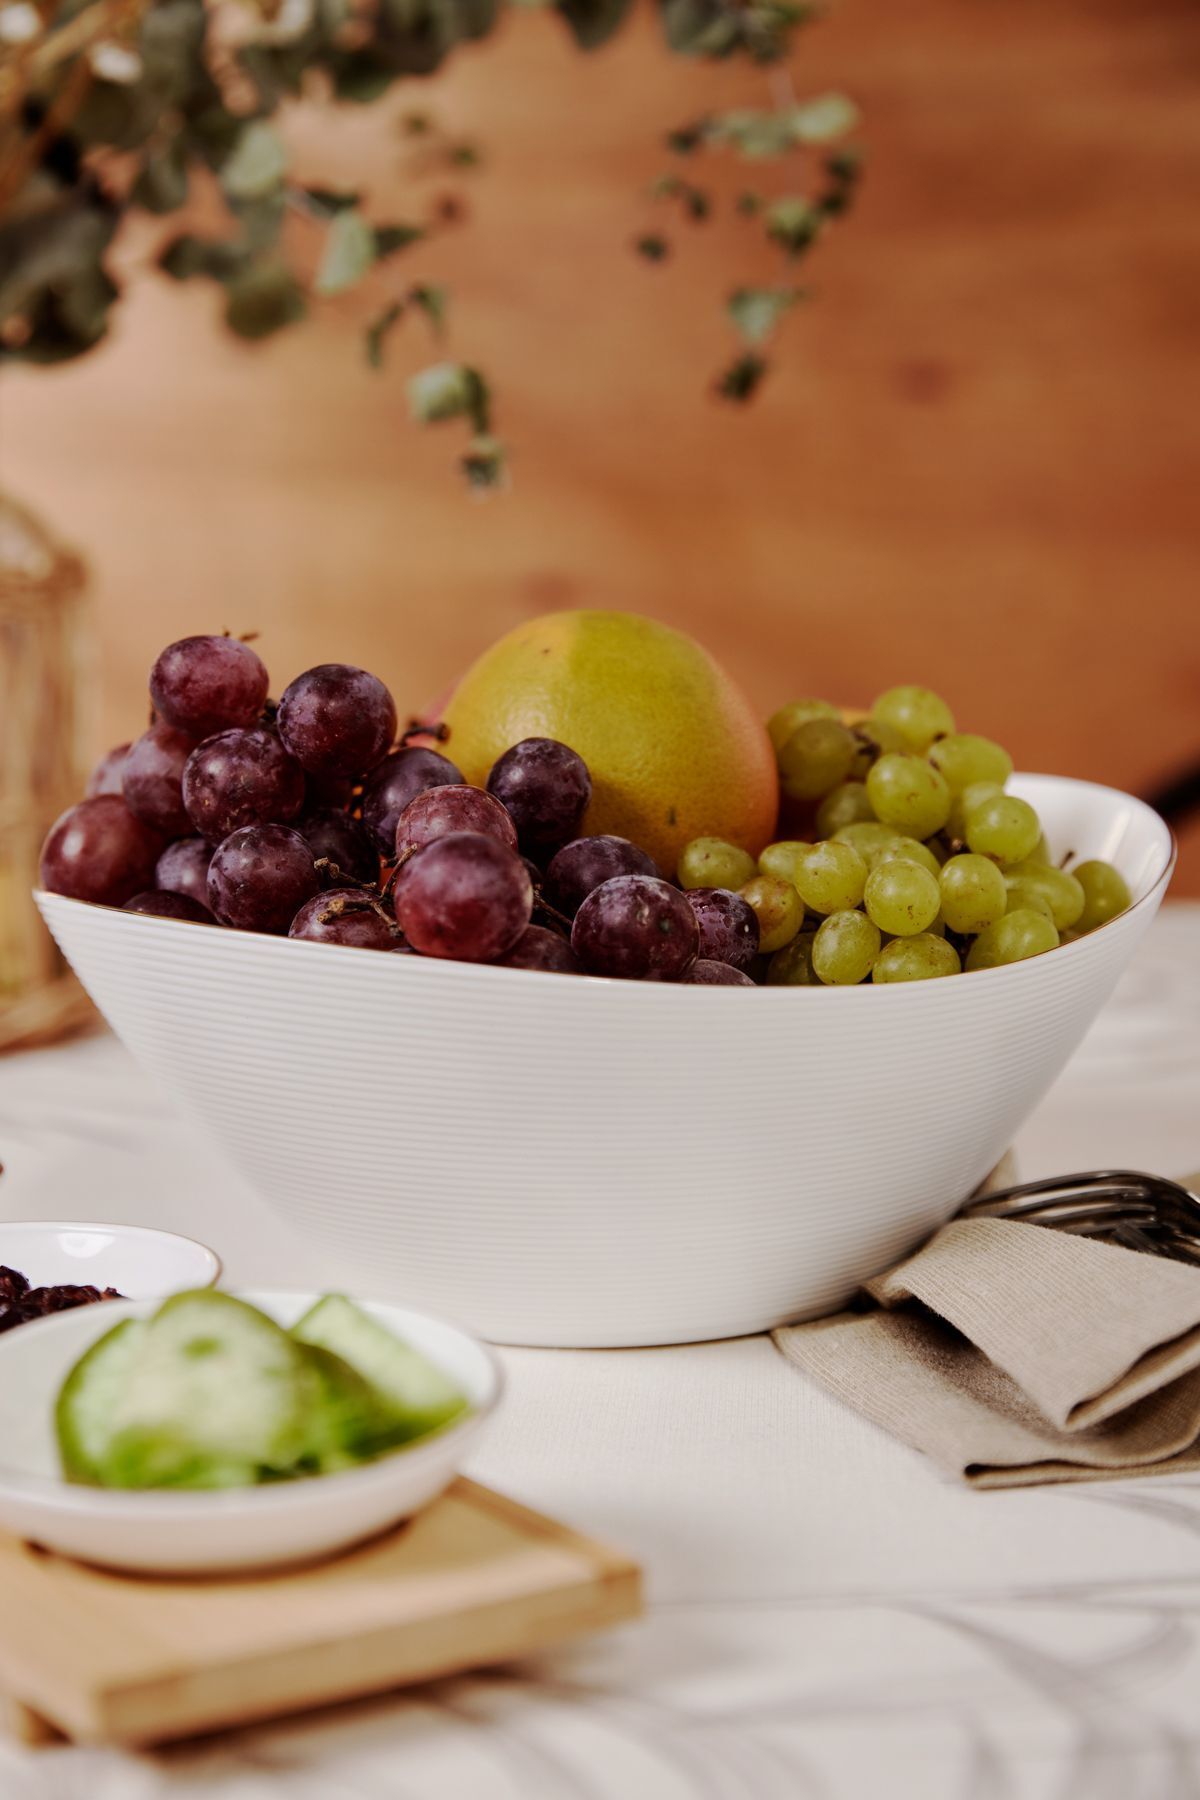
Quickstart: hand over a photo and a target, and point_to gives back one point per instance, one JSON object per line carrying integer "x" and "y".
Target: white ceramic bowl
{"x": 243, "y": 1529}
{"x": 140, "y": 1263}
{"x": 590, "y": 1162}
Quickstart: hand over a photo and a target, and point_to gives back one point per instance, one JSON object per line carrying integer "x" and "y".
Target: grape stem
{"x": 370, "y": 899}
{"x": 542, "y": 905}
{"x": 415, "y": 729}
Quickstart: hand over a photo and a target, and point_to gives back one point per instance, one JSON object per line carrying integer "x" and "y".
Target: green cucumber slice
{"x": 419, "y": 1397}
{"x": 348, "y": 1421}
{"x": 83, "y": 1413}
{"x": 215, "y": 1397}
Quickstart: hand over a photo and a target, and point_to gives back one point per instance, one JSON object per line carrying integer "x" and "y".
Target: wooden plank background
{"x": 977, "y": 465}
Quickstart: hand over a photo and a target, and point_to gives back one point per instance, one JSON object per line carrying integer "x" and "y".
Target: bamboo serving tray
{"x": 101, "y": 1657}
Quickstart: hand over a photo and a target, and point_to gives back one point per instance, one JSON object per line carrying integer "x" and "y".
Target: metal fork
{"x": 1123, "y": 1206}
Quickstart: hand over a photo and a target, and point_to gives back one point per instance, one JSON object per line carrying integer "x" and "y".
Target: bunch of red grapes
{"x": 308, "y": 818}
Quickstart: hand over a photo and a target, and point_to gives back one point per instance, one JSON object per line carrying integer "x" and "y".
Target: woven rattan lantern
{"x": 41, "y": 598}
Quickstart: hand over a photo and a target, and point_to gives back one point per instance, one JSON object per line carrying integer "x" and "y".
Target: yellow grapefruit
{"x": 674, "y": 748}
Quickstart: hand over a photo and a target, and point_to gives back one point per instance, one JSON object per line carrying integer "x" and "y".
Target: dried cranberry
{"x": 12, "y": 1285}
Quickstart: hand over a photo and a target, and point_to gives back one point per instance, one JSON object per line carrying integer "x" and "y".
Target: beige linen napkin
{"x": 1012, "y": 1354}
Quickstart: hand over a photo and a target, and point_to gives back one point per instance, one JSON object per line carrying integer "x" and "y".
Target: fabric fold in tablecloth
{"x": 1012, "y": 1354}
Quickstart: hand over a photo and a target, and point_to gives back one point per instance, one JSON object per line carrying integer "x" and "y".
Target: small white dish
{"x": 142, "y": 1264}
{"x": 241, "y": 1529}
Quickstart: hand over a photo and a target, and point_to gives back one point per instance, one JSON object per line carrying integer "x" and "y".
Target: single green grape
{"x": 906, "y": 849}
{"x": 964, "y": 758}
{"x": 711, "y": 862}
{"x": 1105, "y": 893}
{"x": 1062, "y": 893}
{"x": 816, "y": 758}
{"x": 1019, "y": 895}
{"x": 971, "y": 796}
{"x": 909, "y": 794}
{"x": 916, "y": 713}
{"x": 783, "y": 859}
{"x": 1040, "y": 852}
{"x": 902, "y": 898}
{"x": 845, "y": 948}
{"x": 867, "y": 836}
{"x": 919, "y": 958}
{"x": 792, "y": 966}
{"x": 1004, "y": 828}
{"x": 844, "y": 805}
{"x": 873, "y": 739}
{"x": 778, "y": 909}
{"x": 781, "y": 724}
{"x": 1013, "y": 938}
{"x": 831, "y": 877}
{"x": 973, "y": 893}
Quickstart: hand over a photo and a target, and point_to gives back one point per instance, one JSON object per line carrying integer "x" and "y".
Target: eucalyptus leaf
{"x": 349, "y": 253}
{"x": 653, "y": 246}
{"x": 161, "y": 185}
{"x": 449, "y": 391}
{"x": 390, "y": 238}
{"x": 593, "y": 22}
{"x": 261, "y": 219}
{"x": 741, "y": 380}
{"x": 328, "y": 201}
{"x": 361, "y": 76}
{"x": 187, "y": 257}
{"x": 820, "y": 120}
{"x": 379, "y": 330}
{"x": 262, "y": 300}
{"x": 700, "y": 27}
{"x": 52, "y": 246}
{"x": 433, "y": 301}
{"x": 793, "y": 222}
{"x": 757, "y": 311}
{"x": 258, "y": 163}
{"x": 485, "y": 464}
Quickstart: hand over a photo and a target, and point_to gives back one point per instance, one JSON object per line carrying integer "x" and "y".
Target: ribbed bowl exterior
{"x": 583, "y": 1162}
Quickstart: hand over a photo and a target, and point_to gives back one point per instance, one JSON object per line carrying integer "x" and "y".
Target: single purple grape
{"x": 728, "y": 926}
{"x": 260, "y": 877}
{"x": 107, "y": 775}
{"x": 442, "y": 810}
{"x": 203, "y": 685}
{"x": 637, "y": 927}
{"x": 164, "y": 905}
{"x": 343, "y": 916}
{"x": 582, "y": 865}
{"x": 395, "y": 781}
{"x": 706, "y": 973}
{"x": 466, "y": 896}
{"x": 98, "y": 851}
{"x": 183, "y": 869}
{"x": 538, "y": 948}
{"x": 336, "y": 720}
{"x": 152, "y": 783}
{"x": 241, "y": 778}
{"x": 546, "y": 787}
{"x": 343, "y": 840}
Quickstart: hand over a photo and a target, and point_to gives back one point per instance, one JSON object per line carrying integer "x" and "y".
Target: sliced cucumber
{"x": 418, "y": 1396}
{"x": 88, "y": 1400}
{"x": 214, "y": 1398}
{"x": 348, "y": 1421}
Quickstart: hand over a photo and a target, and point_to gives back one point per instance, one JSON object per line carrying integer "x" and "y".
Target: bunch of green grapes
{"x": 918, "y": 862}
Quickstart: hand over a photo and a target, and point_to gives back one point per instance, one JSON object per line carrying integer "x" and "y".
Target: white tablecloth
{"x": 828, "y": 1616}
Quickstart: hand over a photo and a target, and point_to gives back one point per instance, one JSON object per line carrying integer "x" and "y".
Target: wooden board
{"x": 476, "y": 1579}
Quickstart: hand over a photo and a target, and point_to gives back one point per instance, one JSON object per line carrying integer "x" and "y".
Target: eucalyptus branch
{"x": 117, "y": 107}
